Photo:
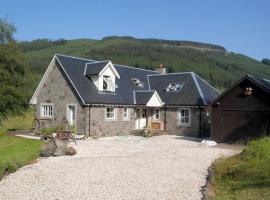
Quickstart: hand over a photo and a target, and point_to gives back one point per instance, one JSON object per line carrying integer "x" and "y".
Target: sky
{"x": 241, "y": 26}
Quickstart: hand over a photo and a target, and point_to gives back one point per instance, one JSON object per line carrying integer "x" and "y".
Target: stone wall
{"x": 173, "y": 128}
{"x": 57, "y": 91}
{"x": 100, "y": 127}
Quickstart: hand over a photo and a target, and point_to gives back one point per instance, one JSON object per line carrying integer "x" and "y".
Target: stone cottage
{"x": 100, "y": 98}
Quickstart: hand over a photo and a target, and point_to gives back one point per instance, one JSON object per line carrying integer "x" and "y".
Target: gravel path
{"x": 126, "y": 167}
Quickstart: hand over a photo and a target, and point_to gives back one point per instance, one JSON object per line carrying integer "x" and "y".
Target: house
{"x": 242, "y": 111}
{"x": 100, "y": 98}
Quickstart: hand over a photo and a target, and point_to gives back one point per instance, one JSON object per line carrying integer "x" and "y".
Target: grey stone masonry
{"x": 100, "y": 127}
{"x": 57, "y": 92}
{"x": 173, "y": 127}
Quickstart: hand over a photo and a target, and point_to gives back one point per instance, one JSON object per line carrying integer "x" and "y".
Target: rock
{"x": 45, "y": 150}
{"x": 52, "y": 146}
{"x": 60, "y": 151}
{"x": 70, "y": 151}
{"x": 60, "y": 143}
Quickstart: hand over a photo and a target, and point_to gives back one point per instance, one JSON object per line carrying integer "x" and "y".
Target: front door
{"x": 140, "y": 119}
{"x": 71, "y": 115}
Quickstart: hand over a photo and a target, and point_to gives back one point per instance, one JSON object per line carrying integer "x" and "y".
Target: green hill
{"x": 212, "y": 62}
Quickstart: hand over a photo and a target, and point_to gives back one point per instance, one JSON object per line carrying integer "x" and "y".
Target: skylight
{"x": 174, "y": 87}
{"x": 137, "y": 82}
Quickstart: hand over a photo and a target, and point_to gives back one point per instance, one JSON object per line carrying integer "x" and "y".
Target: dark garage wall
{"x": 236, "y": 116}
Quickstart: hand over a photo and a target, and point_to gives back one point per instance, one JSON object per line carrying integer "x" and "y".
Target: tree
{"x": 13, "y": 90}
{"x": 6, "y": 31}
{"x": 266, "y": 61}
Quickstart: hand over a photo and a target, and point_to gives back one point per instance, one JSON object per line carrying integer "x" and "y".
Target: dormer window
{"x": 137, "y": 82}
{"x": 174, "y": 87}
{"x": 105, "y": 84}
{"x": 108, "y": 84}
{"x": 103, "y": 74}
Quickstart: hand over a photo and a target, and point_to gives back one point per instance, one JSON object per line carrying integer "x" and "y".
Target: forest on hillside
{"x": 212, "y": 62}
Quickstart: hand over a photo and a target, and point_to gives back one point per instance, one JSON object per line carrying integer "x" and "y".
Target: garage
{"x": 242, "y": 112}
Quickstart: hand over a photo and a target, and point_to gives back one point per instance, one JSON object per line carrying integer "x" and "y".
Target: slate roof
{"x": 94, "y": 68}
{"x": 261, "y": 82}
{"x": 195, "y": 91}
{"x": 265, "y": 83}
{"x": 74, "y": 68}
{"x": 142, "y": 97}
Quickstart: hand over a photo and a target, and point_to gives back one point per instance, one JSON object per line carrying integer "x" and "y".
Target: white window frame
{"x": 46, "y": 114}
{"x": 127, "y": 118}
{"x": 114, "y": 113}
{"x": 179, "y": 117}
{"x": 67, "y": 108}
{"x": 155, "y": 118}
{"x": 111, "y": 86}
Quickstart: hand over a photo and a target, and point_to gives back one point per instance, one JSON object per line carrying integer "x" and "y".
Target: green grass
{"x": 16, "y": 151}
{"x": 244, "y": 176}
{"x": 20, "y": 122}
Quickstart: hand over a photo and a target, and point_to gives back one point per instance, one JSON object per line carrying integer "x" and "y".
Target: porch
{"x": 151, "y": 118}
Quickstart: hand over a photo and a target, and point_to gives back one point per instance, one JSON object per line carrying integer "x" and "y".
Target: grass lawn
{"x": 16, "y": 151}
{"x": 244, "y": 176}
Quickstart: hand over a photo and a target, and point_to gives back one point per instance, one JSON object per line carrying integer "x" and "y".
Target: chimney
{"x": 162, "y": 69}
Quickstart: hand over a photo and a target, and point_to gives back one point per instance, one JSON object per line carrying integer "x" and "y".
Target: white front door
{"x": 71, "y": 115}
{"x": 140, "y": 119}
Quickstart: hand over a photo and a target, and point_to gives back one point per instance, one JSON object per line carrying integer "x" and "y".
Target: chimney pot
{"x": 162, "y": 69}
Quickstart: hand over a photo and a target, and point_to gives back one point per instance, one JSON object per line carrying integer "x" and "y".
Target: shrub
{"x": 48, "y": 131}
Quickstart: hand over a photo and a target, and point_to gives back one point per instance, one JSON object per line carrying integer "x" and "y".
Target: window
{"x": 137, "y": 82}
{"x": 174, "y": 87}
{"x": 108, "y": 84}
{"x": 46, "y": 110}
{"x": 156, "y": 114}
{"x": 110, "y": 113}
{"x": 125, "y": 114}
{"x": 105, "y": 85}
{"x": 184, "y": 117}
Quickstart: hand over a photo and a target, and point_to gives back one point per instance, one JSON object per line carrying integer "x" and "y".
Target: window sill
{"x": 110, "y": 120}
{"x": 183, "y": 125}
{"x": 46, "y": 118}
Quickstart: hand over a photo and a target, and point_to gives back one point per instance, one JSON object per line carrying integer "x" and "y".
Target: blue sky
{"x": 240, "y": 26}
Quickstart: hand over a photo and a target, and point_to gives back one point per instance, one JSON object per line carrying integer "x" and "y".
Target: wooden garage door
{"x": 240, "y": 124}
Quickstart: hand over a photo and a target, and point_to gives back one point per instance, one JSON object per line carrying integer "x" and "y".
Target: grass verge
{"x": 16, "y": 151}
{"x": 244, "y": 176}
{"x": 20, "y": 122}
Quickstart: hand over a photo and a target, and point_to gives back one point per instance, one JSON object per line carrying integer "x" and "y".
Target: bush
{"x": 48, "y": 131}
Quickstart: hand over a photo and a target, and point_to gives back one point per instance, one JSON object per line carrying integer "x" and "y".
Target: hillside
{"x": 212, "y": 62}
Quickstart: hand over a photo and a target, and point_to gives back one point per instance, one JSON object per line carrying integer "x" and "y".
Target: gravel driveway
{"x": 123, "y": 167}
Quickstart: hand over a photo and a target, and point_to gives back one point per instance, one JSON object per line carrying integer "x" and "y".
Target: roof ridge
{"x": 199, "y": 88}
{"x": 134, "y": 67}
{"x": 170, "y": 73}
{"x": 75, "y": 57}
